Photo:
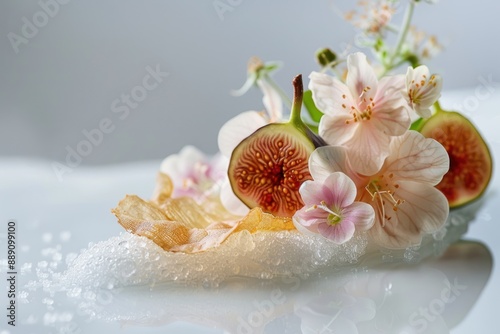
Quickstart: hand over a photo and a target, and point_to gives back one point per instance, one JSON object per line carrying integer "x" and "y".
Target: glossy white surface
{"x": 389, "y": 299}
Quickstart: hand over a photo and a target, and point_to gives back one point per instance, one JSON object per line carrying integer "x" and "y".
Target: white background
{"x": 64, "y": 80}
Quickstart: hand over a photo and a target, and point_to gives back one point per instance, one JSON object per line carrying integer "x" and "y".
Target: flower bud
{"x": 325, "y": 57}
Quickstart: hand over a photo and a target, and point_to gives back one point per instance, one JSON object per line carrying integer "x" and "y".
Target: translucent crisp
{"x": 182, "y": 225}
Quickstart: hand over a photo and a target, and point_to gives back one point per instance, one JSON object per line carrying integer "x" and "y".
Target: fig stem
{"x": 298, "y": 92}
{"x": 437, "y": 106}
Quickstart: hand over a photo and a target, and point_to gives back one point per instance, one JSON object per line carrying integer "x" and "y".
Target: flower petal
{"x": 338, "y": 233}
{"x": 393, "y": 119}
{"x": 309, "y": 218}
{"x": 246, "y": 86}
{"x": 416, "y": 158}
{"x": 360, "y": 75}
{"x": 329, "y": 94}
{"x": 391, "y": 85}
{"x": 217, "y": 170}
{"x": 411, "y": 74}
{"x": 229, "y": 200}
{"x": 303, "y": 226}
{"x": 422, "y": 111}
{"x": 429, "y": 95}
{"x": 360, "y": 214}
{"x": 417, "y": 73}
{"x": 428, "y": 201}
{"x": 425, "y": 210}
{"x": 272, "y": 101}
{"x": 329, "y": 159}
{"x": 335, "y": 131}
{"x": 391, "y": 111}
{"x": 312, "y": 192}
{"x": 432, "y": 92}
{"x": 341, "y": 190}
{"x": 237, "y": 129}
{"x": 368, "y": 149}
{"x": 178, "y": 165}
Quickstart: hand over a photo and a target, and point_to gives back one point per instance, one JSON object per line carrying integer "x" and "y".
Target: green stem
{"x": 392, "y": 28}
{"x": 437, "y": 106}
{"x": 280, "y": 91}
{"x": 298, "y": 92}
{"x": 401, "y": 62}
{"x": 405, "y": 27}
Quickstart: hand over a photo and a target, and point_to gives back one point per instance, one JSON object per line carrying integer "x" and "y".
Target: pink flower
{"x": 194, "y": 174}
{"x": 402, "y": 192}
{"x": 362, "y": 114}
{"x": 330, "y": 209}
{"x": 375, "y": 16}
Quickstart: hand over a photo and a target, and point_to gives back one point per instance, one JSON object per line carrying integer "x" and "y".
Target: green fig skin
{"x": 471, "y": 163}
{"x": 268, "y": 167}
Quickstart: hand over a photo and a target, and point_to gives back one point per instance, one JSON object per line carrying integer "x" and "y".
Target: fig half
{"x": 471, "y": 163}
{"x": 268, "y": 167}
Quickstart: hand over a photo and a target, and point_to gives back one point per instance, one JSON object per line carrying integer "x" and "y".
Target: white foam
{"x": 132, "y": 260}
{"x": 128, "y": 260}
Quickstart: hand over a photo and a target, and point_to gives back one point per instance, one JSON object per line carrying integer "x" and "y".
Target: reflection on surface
{"x": 431, "y": 297}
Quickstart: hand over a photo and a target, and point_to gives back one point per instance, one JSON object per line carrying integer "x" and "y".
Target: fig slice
{"x": 471, "y": 163}
{"x": 268, "y": 167}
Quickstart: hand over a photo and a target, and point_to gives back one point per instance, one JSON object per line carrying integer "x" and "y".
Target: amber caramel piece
{"x": 182, "y": 225}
